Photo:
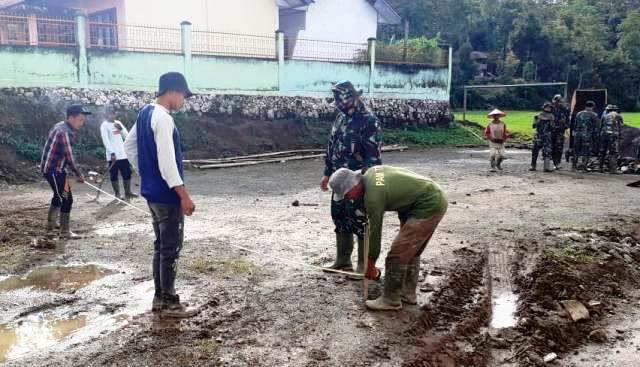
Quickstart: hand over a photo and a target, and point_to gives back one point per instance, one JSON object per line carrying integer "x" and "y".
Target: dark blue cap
{"x": 173, "y": 81}
{"x": 77, "y": 109}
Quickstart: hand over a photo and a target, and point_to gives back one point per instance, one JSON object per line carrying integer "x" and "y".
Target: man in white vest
{"x": 113, "y": 134}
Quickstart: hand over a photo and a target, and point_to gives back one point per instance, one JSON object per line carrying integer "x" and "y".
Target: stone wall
{"x": 393, "y": 113}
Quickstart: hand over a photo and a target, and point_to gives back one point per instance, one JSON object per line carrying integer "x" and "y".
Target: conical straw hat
{"x": 496, "y": 112}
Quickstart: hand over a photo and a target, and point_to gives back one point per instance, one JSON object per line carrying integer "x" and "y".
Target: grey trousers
{"x": 168, "y": 225}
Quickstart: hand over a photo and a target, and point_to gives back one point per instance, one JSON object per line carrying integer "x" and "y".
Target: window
{"x": 104, "y": 28}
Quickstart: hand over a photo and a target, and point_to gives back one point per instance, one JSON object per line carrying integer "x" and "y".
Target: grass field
{"x": 520, "y": 121}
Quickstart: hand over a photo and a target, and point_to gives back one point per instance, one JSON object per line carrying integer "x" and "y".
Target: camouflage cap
{"x": 590, "y": 104}
{"x": 345, "y": 90}
{"x": 546, "y": 106}
{"x": 557, "y": 98}
{"x": 612, "y": 107}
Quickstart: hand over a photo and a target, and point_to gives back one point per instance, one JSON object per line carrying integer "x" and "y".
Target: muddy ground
{"x": 513, "y": 246}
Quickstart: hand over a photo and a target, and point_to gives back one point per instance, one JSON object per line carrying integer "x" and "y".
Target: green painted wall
{"x": 230, "y": 73}
{"x": 130, "y": 69}
{"x": 38, "y": 66}
{"x": 411, "y": 82}
{"x": 319, "y": 76}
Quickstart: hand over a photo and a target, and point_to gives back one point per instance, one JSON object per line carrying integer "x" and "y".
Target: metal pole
{"x": 464, "y": 106}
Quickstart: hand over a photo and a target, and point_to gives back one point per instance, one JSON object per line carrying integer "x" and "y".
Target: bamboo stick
{"x": 365, "y": 281}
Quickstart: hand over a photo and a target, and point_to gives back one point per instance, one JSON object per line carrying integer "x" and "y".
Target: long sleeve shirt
{"x": 57, "y": 153}
{"x": 397, "y": 189}
{"x": 163, "y": 128}
{"x": 113, "y": 139}
{"x": 355, "y": 143}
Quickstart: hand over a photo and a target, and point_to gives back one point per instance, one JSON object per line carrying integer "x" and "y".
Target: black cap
{"x": 590, "y": 104}
{"x": 77, "y": 109}
{"x": 173, "y": 81}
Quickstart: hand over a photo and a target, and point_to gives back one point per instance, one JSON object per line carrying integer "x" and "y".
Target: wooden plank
{"x": 253, "y": 163}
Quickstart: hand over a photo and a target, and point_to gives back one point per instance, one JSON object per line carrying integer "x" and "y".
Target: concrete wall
{"x": 411, "y": 82}
{"x": 233, "y": 74}
{"x": 318, "y": 76}
{"x": 38, "y": 66}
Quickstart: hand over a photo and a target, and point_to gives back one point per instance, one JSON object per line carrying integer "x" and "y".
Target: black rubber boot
{"x": 411, "y": 282}
{"x": 390, "y": 300}
{"x": 534, "y": 160}
{"x": 613, "y": 166}
{"x": 52, "y": 219}
{"x": 499, "y": 163}
{"x": 344, "y": 248}
{"x": 65, "y": 231}
{"x": 128, "y": 195}
{"x": 116, "y": 188}
{"x": 493, "y": 165}
{"x": 360, "y": 265}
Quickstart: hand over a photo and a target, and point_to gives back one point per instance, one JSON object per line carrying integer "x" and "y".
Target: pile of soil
{"x": 591, "y": 267}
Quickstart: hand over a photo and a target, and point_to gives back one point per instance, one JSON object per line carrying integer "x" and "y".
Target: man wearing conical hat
{"x": 496, "y": 133}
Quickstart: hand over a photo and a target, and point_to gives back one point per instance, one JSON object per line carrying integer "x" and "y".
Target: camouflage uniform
{"x": 542, "y": 140}
{"x": 560, "y": 125}
{"x": 610, "y": 134}
{"x": 355, "y": 143}
{"x": 584, "y": 133}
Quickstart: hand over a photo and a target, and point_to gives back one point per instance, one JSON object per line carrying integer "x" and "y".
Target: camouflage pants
{"x": 557, "y": 146}
{"x": 543, "y": 143}
{"x": 582, "y": 145}
{"x": 609, "y": 147}
{"x": 349, "y": 217}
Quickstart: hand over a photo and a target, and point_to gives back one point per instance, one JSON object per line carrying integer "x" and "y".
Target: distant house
{"x": 339, "y": 21}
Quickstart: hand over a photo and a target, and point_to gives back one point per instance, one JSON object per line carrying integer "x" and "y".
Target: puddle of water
{"x": 34, "y": 333}
{"x": 503, "y": 314}
{"x": 57, "y": 278}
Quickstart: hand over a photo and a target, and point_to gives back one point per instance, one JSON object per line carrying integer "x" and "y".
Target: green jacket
{"x": 397, "y": 189}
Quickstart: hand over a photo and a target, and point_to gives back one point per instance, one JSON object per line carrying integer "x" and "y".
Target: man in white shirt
{"x": 113, "y": 133}
{"x": 154, "y": 149}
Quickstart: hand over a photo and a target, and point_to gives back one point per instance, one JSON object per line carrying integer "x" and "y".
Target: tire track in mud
{"x": 447, "y": 331}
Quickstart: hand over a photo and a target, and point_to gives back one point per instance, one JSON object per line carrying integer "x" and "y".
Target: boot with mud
{"x": 410, "y": 284}
{"x": 393, "y": 282}
{"x": 584, "y": 164}
{"x": 172, "y": 308}
{"x": 613, "y": 166}
{"x": 116, "y": 188}
{"x": 499, "y": 163}
{"x": 534, "y": 160}
{"x": 128, "y": 194}
{"x": 360, "y": 265}
{"x": 344, "y": 248}
{"x": 156, "y": 305}
{"x": 65, "y": 231}
{"x": 52, "y": 220}
{"x": 493, "y": 165}
{"x": 547, "y": 165}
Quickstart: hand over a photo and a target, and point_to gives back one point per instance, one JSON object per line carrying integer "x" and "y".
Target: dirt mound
{"x": 591, "y": 267}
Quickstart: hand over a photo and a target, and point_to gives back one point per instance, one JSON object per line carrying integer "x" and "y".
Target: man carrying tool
{"x": 56, "y": 156}
{"x": 355, "y": 143}
{"x": 561, "y": 116}
{"x": 153, "y": 145}
{"x": 113, "y": 133}
{"x": 421, "y": 205}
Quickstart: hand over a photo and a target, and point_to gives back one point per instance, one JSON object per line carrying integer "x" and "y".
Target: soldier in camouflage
{"x": 561, "y": 116}
{"x": 355, "y": 143}
{"x": 610, "y": 133}
{"x": 584, "y": 134}
{"x": 543, "y": 124}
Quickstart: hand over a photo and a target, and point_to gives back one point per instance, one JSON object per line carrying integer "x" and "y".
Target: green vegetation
{"x": 520, "y": 121}
{"x": 206, "y": 265}
{"x": 438, "y": 136}
{"x": 588, "y": 43}
{"x": 569, "y": 252}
